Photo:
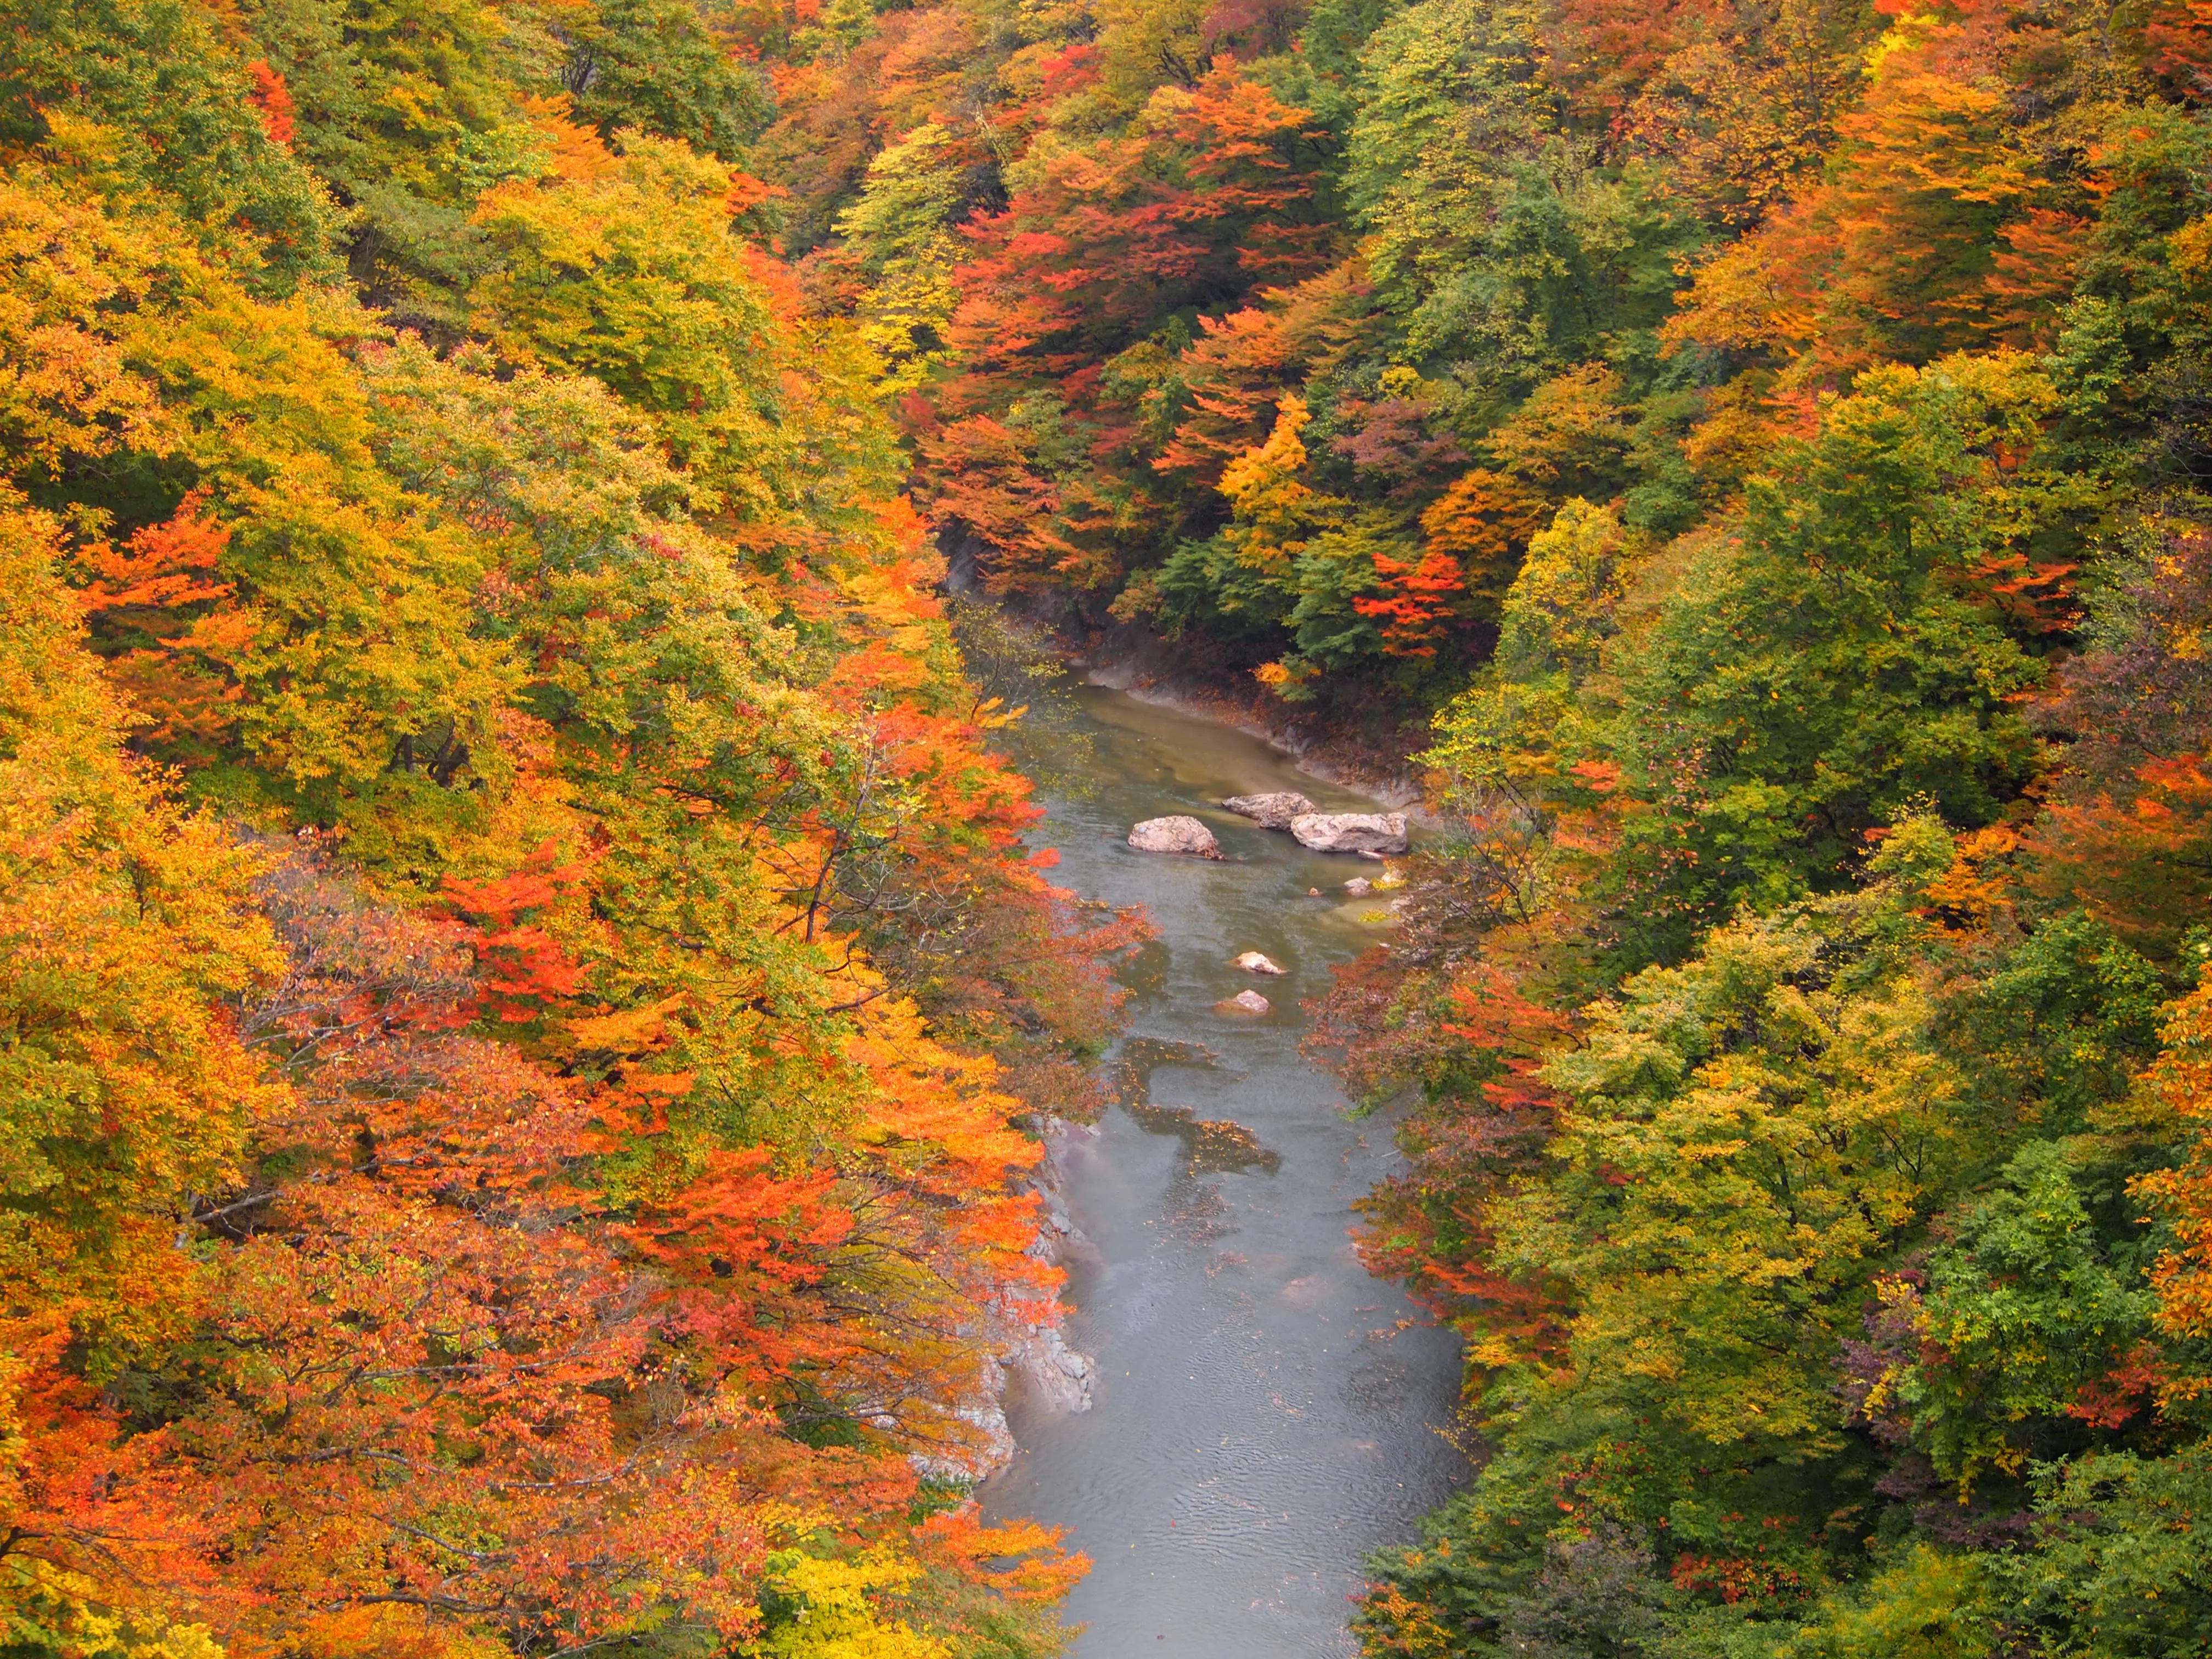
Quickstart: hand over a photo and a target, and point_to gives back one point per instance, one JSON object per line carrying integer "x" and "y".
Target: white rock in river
{"x": 1360, "y": 887}
{"x": 1244, "y": 1002}
{"x": 1271, "y": 812}
{"x": 1175, "y": 835}
{"x": 1350, "y": 832}
{"x": 1253, "y": 963}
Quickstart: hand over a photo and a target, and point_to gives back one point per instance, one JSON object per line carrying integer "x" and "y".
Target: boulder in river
{"x": 1350, "y": 832}
{"x": 1253, "y": 963}
{"x": 1360, "y": 887}
{"x": 1244, "y": 1002}
{"x": 1271, "y": 812}
{"x": 1174, "y": 835}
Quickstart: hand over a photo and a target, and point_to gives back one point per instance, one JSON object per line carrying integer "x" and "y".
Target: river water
{"x": 1264, "y": 1412}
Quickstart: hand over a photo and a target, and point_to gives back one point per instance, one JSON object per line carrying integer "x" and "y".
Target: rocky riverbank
{"x": 1033, "y": 1355}
{"x": 1364, "y": 746}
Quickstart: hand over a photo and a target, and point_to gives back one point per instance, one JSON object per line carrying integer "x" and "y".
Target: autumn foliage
{"x": 527, "y": 988}
{"x": 529, "y": 985}
{"x": 1766, "y": 444}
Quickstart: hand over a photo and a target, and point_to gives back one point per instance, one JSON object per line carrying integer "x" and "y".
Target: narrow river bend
{"x": 1263, "y": 1414}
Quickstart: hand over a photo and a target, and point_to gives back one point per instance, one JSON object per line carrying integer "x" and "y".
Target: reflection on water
{"x": 1263, "y": 1413}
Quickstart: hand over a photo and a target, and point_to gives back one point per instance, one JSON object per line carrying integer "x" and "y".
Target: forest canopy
{"x": 1765, "y": 445}
{"x": 525, "y": 998}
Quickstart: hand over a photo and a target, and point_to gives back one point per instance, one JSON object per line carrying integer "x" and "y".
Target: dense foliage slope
{"x": 1771, "y": 437}
{"x": 520, "y": 982}
{"x": 520, "y": 970}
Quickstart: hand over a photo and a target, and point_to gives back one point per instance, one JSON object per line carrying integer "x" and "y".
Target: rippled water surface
{"x": 1263, "y": 1417}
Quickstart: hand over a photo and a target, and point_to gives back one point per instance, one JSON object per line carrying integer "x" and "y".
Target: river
{"x": 1264, "y": 1412}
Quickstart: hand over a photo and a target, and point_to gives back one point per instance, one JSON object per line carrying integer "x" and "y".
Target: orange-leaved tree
{"x": 126, "y": 924}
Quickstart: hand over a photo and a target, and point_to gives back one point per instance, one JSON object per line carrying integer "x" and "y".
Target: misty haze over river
{"x": 1264, "y": 1413}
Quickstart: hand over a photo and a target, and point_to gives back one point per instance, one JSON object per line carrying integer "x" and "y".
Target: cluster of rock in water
{"x": 1058, "y": 1376}
{"x": 1369, "y": 834}
{"x": 1376, "y": 833}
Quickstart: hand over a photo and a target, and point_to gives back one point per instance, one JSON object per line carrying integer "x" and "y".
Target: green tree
{"x": 2120, "y": 1564}
{"x": 1493, "y": 233}
{"x": 1747, "y": 1138}
{"x": 336, "y": 629}
{"x": 408, "y": 109}
{"x": 2030, "y": 1310}
{"x": 143, "y": 101}
{"x": 626, "y": 267}
{"x": 655, "y": 66}
{"x": 1839, "y": 655}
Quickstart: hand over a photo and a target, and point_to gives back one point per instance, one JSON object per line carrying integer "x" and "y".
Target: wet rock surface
{"x": 1174, "y": 835}
{"x": 1350, "y": 832}
{"x": 1273, "y": 811}
{"x": 1212, "y": 1145}
{"x": 1037, "y": 1360}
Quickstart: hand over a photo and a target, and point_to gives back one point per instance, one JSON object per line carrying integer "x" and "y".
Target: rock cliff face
{"x": 1057, "y": 1376}
{"x": 1174, "y": 835}
{"x": 1052, "y": 1374}
{"x": 1350, "y": 832}
{"x": 1271, "y": 812}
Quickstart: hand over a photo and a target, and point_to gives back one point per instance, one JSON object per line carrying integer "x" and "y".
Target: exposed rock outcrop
{"x": 1057, "y": 1376}
{"x": 1174, "y": 835}
{"x": 1253, "y": 963}
{"x": 1244, "y": 1002}
{"x": 1350, "y": 832}
{"x": 1271, "y": 812}
{"x": 1054, "y": 1375}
